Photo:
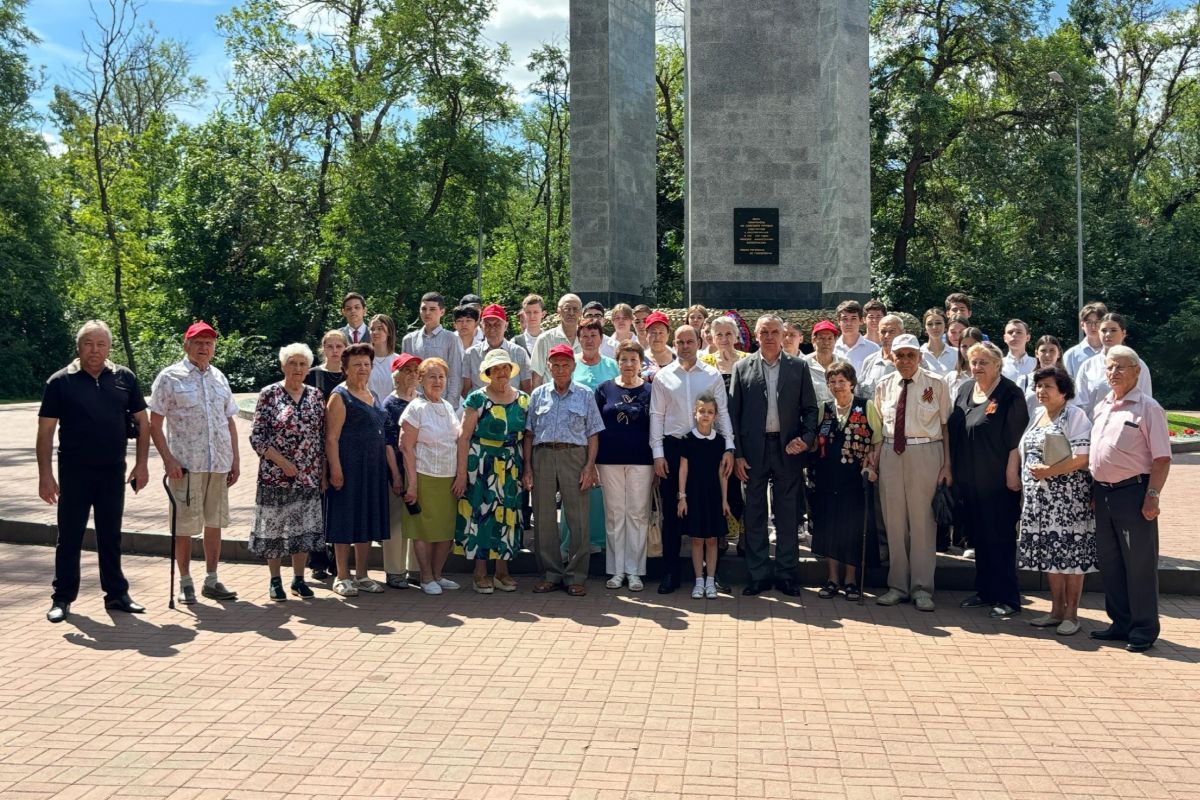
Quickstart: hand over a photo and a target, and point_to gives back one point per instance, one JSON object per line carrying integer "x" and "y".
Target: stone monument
{"x": 778, "y": 161}
{"x": 612, "y": 150}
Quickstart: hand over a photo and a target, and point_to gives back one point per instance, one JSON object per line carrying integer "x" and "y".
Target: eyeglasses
{"x": 1116, "y": 369}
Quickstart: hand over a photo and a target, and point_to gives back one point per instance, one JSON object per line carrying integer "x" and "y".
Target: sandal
{"x": 542, "y": 587}
{"x": 504, "y": 583}
{"x": 830, "y": 589}
{"x": 852, "y": 591}
{"x": 482, "y": 584}
{"x": 576, "y": 590}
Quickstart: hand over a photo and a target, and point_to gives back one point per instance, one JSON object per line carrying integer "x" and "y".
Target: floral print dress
{"x": 489, "y": 514}
{"x": 287, "y": 511}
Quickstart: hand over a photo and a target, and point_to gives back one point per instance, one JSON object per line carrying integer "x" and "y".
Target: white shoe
{"x": 969, "y": 553}
{"x": 431, "y": 588}
{"x": 368, "y": 585}
{"x": 698, "y": 591}
{"x": 635, "y": 583}
{"x": 345, "y": 588}
{"x": 446, "y": 583}
{"x": 710, "y": 589}
{"x": 615, "y": 581}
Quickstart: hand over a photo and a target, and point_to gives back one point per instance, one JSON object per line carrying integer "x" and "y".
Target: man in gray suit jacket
{"x": 773, "y": 411}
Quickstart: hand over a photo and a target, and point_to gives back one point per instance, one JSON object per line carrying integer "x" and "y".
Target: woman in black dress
{"x": 985, "y": 426}
{"x": 700, "y": 478}
{"x": 849, "y": 435}
{"x": 324, "y": 377}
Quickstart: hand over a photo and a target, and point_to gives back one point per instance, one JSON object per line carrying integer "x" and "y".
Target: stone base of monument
{"x": 953, "y": 573}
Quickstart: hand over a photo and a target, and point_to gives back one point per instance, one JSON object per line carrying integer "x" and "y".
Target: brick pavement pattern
{"x": 148, "y": 510}
{"x": 611, "y": 696}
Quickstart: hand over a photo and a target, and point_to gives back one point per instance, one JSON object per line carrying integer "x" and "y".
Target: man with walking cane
{"x": 200, "y": 453}
{"x": 95, "y": 405}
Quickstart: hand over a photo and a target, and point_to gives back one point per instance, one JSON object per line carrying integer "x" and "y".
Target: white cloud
{"x": 525, "y": 25}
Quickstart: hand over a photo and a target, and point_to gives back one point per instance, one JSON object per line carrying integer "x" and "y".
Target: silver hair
{"x": 986, "y": 347}
{"x": 758, "y": 323}
{"x": 295, "y": 349}
{"x": 892, "y": 319}
{"x": 1123, "y": 353}
{"x": 93, "y": 325}
{"x": 723, "y": 320}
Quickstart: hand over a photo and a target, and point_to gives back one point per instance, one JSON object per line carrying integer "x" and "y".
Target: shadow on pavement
{"x": 128, "y": 632}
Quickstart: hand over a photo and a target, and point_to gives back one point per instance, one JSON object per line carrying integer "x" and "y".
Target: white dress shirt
{"x": 1075, "y": 356}
{"x": 942, "y": 364}
{"x": 539, "y": 362}
{"x": 1014, "y": 367}
{"x": 855, "y": 355}
{"x": 364, "y": 334}
{"x": 875, "y": 368}
{"x": 438, "y": 343}
{"x": 673, "y": 402}
{"x": 818, "y": 379}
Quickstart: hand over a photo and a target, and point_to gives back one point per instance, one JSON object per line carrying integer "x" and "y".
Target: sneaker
{"x": 217, "y": 591}
{"x": 892, "y": 597}
{"x": 615, "y": 581}
{"x": 635, "y": 583}
{"x": 433, "y": 587}
{"x": 1045, "y": 621}
{"x": 368, "y": 585}
{"x": 397, "y": 580}
{"x": 710, "y": 589}
{"x": 300, "y": 588}
{"x": 698, "y": 591}
{"x": 345, "y": 588}
{"x": 969, "y": 553}
{"x": 446, "y": 583}
{"x": 275, "y": 590}
{"x": 923, "y": 601}
{"x": 1068, "y": 627}
{"x": 187, "y": 594}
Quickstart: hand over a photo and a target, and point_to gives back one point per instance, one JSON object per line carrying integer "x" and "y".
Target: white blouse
{"x": 437, "y": 436}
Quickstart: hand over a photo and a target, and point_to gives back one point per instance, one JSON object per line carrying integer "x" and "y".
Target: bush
{"x": 249, "y": 362}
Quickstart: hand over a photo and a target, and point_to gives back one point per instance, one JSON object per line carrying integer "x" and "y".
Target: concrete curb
{"x": 953, "y": 573}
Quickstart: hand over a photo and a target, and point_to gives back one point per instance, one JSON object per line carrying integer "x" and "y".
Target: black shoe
{"x": 275, "y": 590}
{"x": 852, "y": 591}
{"x": 668, "y": 584}
{"x": 320, "y": 575}
{"x": 974, "y": 601}
{"x": 756, "y": 587}
{"x": 124, "y": 603}
{"x": 300, "y": 588}
{"x": 721, "y": 585}
{"x": 829, "y": 590}
{"x": 790, "y": 588}
{"x": 59, "y": 611}
{"x": 1139, "y": 647}
{"x": 722, "y": 546}
{"x": 1003, "y": 611}
{"x": 1108, "y": 635}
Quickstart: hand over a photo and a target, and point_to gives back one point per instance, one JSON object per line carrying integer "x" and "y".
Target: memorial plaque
{"x": 756, "y": 236}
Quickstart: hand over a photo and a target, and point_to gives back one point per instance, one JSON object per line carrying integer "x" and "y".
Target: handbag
{"x": 943, "y": 505}
{"x": 1056, "y": 449}
{"x": 654, "y": 544}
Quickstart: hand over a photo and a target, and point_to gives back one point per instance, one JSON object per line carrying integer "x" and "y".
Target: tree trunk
{"x": 908, "y": 218}
{"x": 114, "y": 242}
{"x": 325, "y": 270}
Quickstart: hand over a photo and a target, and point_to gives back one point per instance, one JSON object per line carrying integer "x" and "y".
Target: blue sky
{"x": 522, "y": 24}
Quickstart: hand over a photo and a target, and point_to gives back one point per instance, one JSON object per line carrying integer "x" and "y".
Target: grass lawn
{"x": 1178, "y": 422}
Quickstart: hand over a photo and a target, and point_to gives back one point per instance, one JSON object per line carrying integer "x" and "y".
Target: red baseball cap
{"x": 561, "y": 350}
{"x": 494, "y": 311}
{"x": 403, "y": 360}
{"x": 825, "y": 325}
{"x": 657, "y": 318}
{"x": 199, "y": 328}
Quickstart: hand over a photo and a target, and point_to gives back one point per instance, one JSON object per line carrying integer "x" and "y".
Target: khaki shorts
{"x": 201, "y": 501}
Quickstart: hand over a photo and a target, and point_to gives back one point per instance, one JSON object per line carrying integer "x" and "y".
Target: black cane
{"x": 868, "y": 504}
{"x": 171, "y": 498}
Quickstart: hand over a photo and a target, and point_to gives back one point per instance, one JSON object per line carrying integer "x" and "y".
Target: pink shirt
{"x": 1127, "y": 436}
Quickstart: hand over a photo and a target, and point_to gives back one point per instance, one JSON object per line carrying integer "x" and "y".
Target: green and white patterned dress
{"x": 489, "y": 514}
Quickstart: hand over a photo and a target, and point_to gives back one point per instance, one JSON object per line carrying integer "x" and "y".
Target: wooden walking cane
{"x": 171, "y": 498}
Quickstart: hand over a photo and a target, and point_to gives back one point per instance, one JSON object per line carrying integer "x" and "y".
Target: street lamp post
{"x": 1056, "y": 77}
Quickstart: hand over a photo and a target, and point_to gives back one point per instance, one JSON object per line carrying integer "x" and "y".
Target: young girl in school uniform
{"x": 701, "y": 482}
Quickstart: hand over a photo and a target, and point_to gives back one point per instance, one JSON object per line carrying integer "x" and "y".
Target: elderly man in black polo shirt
{"x": 89, "y": 402}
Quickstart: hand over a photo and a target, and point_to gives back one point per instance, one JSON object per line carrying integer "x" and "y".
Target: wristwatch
{"x": 1152, "y": 493}
{"x": 681, "y": 496}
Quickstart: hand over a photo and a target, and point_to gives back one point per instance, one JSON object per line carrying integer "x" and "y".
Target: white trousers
{"x": 627, "y": 490}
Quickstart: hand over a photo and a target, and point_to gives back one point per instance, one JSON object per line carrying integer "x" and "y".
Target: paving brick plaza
{"x": 614, "y": 695}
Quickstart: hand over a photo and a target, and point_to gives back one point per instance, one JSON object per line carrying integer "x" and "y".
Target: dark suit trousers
{"x": 1127, "y": 544}
{"x": 100, "y": 490}
{"x": 783, "y": 474}
{"x": 672, "y": 529}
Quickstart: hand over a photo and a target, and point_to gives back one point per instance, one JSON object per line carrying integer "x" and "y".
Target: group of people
{"x": 457, "y": 440}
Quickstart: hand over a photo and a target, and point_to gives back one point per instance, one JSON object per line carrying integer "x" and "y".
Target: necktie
{"x": 356, "y": 337}
{"x": 901, "y": 409}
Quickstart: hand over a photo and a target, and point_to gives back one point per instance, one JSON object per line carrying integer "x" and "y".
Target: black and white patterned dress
{"x": 1058, "y": 525}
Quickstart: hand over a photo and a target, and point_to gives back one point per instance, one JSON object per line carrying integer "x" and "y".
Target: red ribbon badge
{"x": 927, "y": 395}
